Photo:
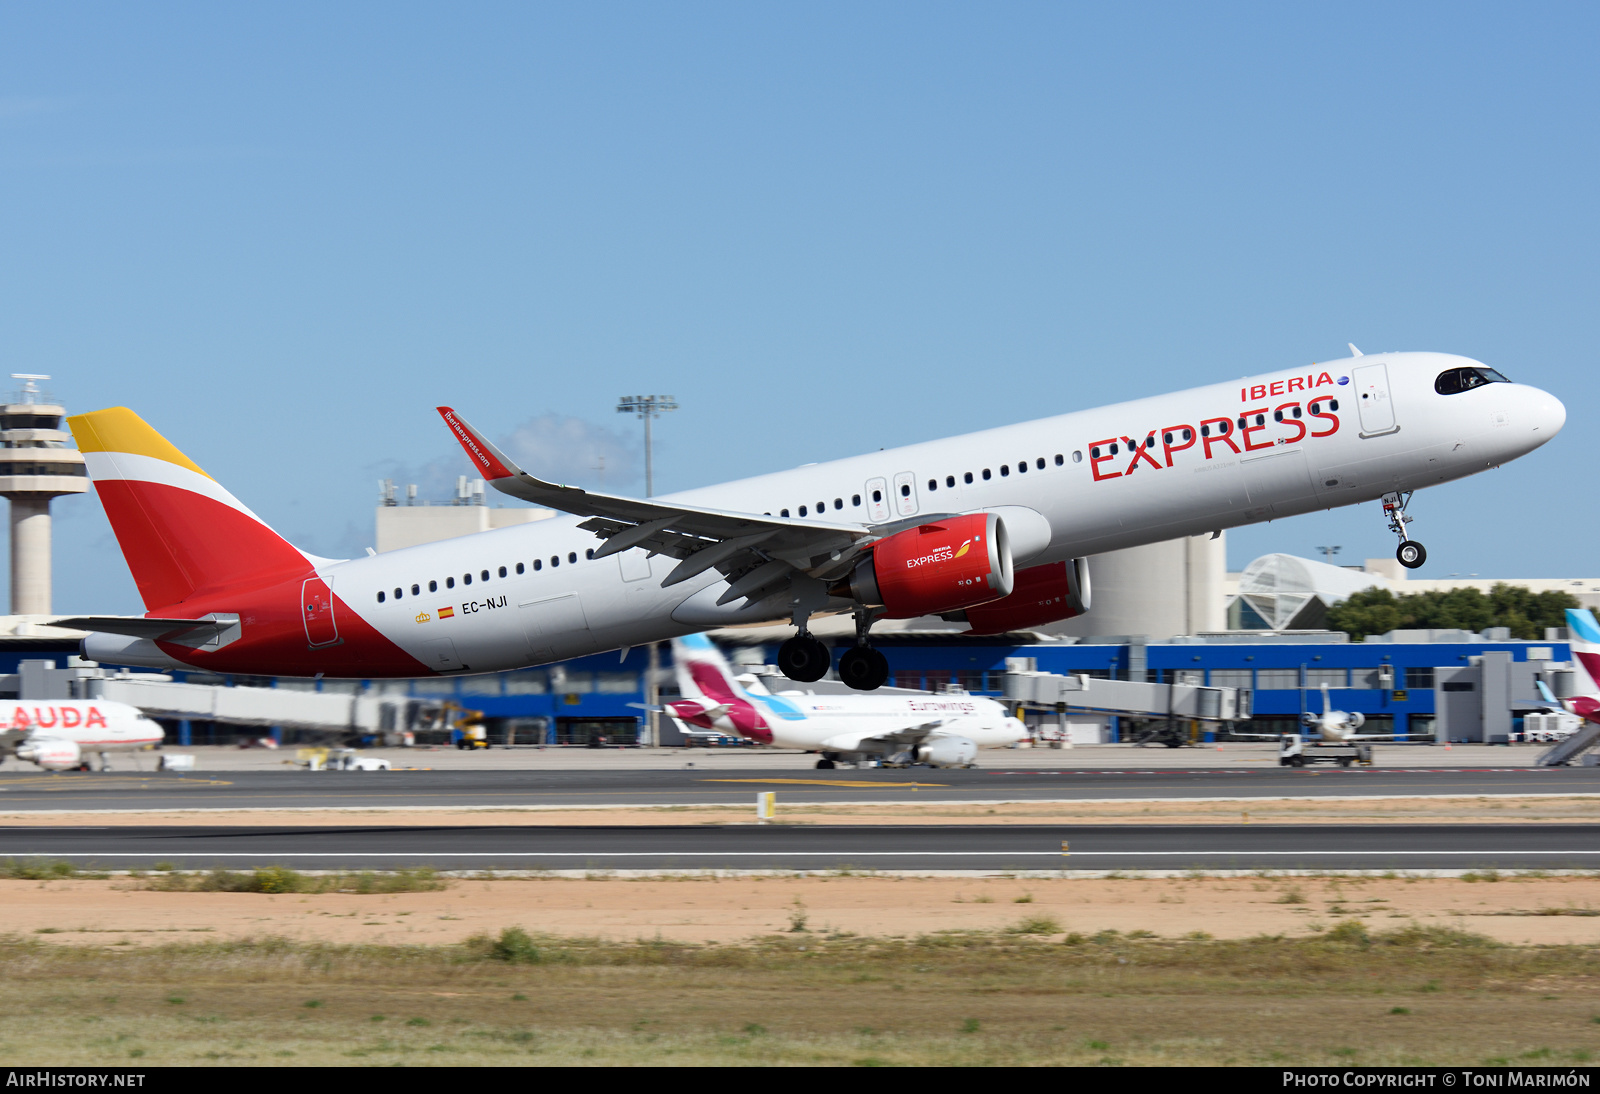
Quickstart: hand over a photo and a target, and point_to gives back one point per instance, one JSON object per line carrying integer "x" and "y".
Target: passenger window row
{"x": 484, "y": 575}
{"x": 1039, "y": 463}
{"x": 1005, "y": 470}
{"x": 822, "y": 506}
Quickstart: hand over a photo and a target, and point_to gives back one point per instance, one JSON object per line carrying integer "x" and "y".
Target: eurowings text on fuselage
{"x": 786, "y": 544}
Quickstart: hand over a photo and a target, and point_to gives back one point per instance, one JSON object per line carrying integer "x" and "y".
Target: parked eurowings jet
{"x": 990, "y": 527}
{"x": 1583, "y": 636}
{"x": 58, "y": 734}
{"x": 940, "y": 730}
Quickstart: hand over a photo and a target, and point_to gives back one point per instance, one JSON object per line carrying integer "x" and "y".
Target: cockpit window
{"x": 1455, "y": 381}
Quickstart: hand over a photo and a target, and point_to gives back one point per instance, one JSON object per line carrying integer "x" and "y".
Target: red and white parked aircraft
{"x": 58, "y": 734}
{"x": 991, "y": 527}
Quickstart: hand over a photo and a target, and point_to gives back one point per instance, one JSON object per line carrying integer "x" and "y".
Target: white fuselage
{"x": 94, "y": 725}
{"x": 812, "y": 723}
{"x": 1067, "y": 486}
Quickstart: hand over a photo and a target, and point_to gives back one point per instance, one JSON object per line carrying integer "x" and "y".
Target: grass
{"x": 42, "y": 869}
{"x": 1416, "y": 996}
{"x": 281, "y": 879}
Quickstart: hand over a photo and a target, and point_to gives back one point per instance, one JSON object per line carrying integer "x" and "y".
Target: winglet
{"x": 485, "y": 456}
{"x": 1353, "y": 351}
{"x": 1544, "y": 693}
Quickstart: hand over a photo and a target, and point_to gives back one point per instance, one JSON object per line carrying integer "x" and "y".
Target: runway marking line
{"x": 827, "y": 782}
{"x": 112, "y": 782}
{"x": 846, "y": 856}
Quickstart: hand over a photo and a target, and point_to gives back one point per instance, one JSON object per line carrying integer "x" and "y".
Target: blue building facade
{"x": 573, "y": 702}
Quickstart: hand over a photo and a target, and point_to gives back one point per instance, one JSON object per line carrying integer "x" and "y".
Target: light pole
{"x": 649, "y": 408}
{"x": 1328, "y": 553}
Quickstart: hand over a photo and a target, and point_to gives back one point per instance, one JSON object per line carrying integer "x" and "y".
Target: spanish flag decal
{"x": 446, "y": 613}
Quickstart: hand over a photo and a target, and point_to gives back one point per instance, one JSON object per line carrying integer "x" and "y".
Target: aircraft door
{"x": 905, "y": 493}
{"x": 316, "y": 611}
{"x": 878, "y": 500}
{"x": 1372, "y": 398}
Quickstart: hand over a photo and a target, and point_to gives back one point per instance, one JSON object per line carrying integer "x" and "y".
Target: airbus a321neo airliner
{"x": 990, "y": 527}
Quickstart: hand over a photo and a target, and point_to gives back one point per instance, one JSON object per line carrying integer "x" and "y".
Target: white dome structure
{"x": 1290, "y": 593}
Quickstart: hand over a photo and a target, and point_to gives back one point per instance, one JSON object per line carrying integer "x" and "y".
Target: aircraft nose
{"x": 1547, "y": 414}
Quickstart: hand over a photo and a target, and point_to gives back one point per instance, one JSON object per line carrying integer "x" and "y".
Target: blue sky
{"x": 283, "y": 233}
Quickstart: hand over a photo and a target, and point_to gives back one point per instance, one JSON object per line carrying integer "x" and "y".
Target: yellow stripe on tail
{"x": 119, "y": 429}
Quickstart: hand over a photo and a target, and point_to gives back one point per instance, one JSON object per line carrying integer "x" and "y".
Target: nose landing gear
{"x": 1410, "y": 553}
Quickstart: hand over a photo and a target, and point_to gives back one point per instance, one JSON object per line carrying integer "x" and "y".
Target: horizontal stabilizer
{"x": 139, "y": 626}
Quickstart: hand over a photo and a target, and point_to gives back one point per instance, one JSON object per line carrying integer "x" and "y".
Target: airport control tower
{"x": 37, "y": 463}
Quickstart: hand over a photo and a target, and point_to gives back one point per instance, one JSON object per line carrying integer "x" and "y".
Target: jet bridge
{"x": 1174, "y": 701}
{"x": 160, "y": 696}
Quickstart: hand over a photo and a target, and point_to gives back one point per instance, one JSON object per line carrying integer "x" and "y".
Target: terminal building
{"x": 1461, "y": 688}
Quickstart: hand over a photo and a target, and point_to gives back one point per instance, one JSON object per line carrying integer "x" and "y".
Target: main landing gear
{"x": 1410, "y": 553}
{"x": 863, "y": 667}
{"x": 804, "y": 658}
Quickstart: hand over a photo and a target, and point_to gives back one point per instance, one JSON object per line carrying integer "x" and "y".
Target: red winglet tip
{"x": 482, "y": 459}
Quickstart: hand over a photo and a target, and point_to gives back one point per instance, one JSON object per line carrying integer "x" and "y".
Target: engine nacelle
{"x": 1043, "y": 594}
{"x": 949, "y": 752}
{"x": 50, "y": 754}
{"x": 938, "y": 567}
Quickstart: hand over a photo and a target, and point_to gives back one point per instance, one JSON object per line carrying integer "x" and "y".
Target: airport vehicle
{"x": 1337, "y": 739}
{"x": 991, "y": 527}
{"x": 61, "y": 734}
{"x": 1295, "y": 750}
{"x": 944, "y": 729}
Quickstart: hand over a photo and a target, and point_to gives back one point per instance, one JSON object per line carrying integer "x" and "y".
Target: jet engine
{"x": 941, "y": 566}
{"x": 1043, "y": 594}
{"x": 51, "y": 755}
{"x": 949, "y": 752}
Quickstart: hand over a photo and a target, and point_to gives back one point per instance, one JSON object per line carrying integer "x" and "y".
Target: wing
{"x": 755, "y": 552}
{"x": 866, "y": 740}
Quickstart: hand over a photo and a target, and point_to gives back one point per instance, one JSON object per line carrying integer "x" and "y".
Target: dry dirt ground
{"x": 115, "y": 911}
{"x": 1520, "y": 909}
{"x": 844, "y": 969}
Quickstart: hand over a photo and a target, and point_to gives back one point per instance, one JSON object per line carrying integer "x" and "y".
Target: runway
{"x": 123, "y": 791}
{"x": 776, "y": 847}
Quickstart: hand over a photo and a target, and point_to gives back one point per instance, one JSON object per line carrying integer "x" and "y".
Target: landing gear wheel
{"x": 1172, "y": 742}
{"x": 824, "y": 765}
{"x": 864, "y": 668}
{"x": 1411, "y": 554}
{"x": 804, "y": 658}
